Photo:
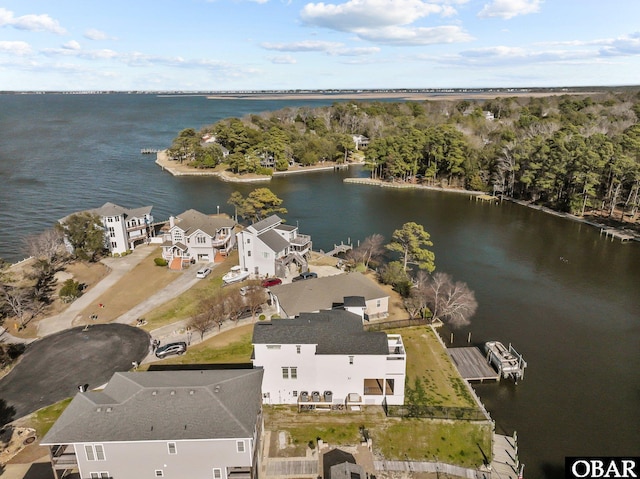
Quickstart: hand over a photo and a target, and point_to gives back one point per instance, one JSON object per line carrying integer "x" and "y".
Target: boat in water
{"x": 235, "y": 275}
{"x": 507, "y": 361}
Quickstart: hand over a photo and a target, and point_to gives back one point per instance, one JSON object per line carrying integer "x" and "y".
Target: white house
{"x": 326, "y": 358}
{"x": 360, "y": 141}
{"x": 352, "y": 291}
{"x": 171, "y": 424}
{"x": 271, "y": 248}
{"x": 193, "y": 236}
{"x": 124, "y": 228}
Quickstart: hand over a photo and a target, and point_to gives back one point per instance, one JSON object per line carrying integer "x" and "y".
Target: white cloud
{"x": 330, "y": 48}
{"x": 15, "y": 48}
{"x": 368, "y": 14}
{"x": 34, "y": 23}
{"x": 94, "y": 34}
{"x": 416, "y": 36}
{"x": 71, "y": 45}
{"x": 507, "y": 9}
{"x": 283, "y": 60}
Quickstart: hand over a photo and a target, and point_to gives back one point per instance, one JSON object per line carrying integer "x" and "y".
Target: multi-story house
{"x": 193, "y": 236}
{"x": 271, "y": 248}
{"x": 124, "y": 228}
{"x": 327, "y": 359}
{"x": 170, "y": 424}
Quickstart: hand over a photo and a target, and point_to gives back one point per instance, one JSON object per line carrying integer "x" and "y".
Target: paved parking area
{"x": 52, "y": 368}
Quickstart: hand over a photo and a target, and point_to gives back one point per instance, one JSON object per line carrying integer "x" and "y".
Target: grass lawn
{"x": 185, "y": 305}
{"x": 429, "y": 361}
{"x": 143, "y": 281}
{"x": 231, "y": 346}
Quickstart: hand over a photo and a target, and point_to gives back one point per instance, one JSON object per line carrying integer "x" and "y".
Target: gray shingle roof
{"x": 111, "y": 209}
{"x": 164, "y": 405}
{"x": 322, "y": 293}
{"x": 266, "y": 223}
{"x": 334, "y": 332}
{"x": 192, "y": 220}
{"x": 273, "y": 240}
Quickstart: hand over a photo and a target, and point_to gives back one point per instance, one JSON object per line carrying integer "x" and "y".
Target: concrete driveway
{"x": 52, "y": 368}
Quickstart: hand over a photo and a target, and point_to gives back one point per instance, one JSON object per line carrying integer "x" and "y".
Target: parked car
{"x": 305, "y": 275}
{"x": 203, "y": 273}
{"x": 247, "y": 289}
{"x": 267, "y": 283}
{"x": 171, "y": 348}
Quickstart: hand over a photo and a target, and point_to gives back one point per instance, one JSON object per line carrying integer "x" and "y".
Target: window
{"x": 249, "y": 253}
{"x": 265, "y": 255}
{"x": 285, "y": 373}
{"x": 109, "y": 220}
{"x": 350, "y": 359}
{"x": 114, "y": 244}
{"x": 99, "y": 475}
{"x": 294, "y": 373}
{"x": 217, "y": 474}
{"x": 95, "y": 452}
{"x": 201, "y": 239}
{"x": 159, "y": 473}
{"x": 177, "y": 235}
{"x": 378, "y": 303}
{"x": 298, "y": 348}
{"x": 172, "y": 448}
{"x": 240, "y": 446}
{"x": 295, "y": 394}
{"x": 273, "y": 346}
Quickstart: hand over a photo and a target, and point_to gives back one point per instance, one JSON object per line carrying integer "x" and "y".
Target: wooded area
{"x": 573, "y": 153}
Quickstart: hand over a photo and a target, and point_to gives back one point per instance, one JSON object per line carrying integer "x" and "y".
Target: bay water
{"x": 567, "y": 299}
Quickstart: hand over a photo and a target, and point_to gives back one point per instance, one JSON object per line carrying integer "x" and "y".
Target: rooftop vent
{"x": 173, "y": 392}
{"x": 191, "y": 392}
{"x": 99, "y": 409}
{"x": 154, "y": 393}
{"x": 109, "y": 409}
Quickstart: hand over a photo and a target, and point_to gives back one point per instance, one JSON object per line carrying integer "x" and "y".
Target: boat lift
{"x": 507, "y": 361}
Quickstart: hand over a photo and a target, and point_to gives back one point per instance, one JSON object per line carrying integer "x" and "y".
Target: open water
{"x": 566, "y": 298}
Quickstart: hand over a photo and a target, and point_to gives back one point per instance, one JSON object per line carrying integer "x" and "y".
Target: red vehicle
{"x": 267, "y": 283}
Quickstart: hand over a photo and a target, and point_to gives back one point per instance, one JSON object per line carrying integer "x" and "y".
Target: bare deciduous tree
{"x": 449, "y": 301}
{"x": 19, "y": 301}
{"x": 254, "y": 299}
{"x": 48, "y": 246}
{"x": 234, "y": 305}
{"x": 210, "y": 312}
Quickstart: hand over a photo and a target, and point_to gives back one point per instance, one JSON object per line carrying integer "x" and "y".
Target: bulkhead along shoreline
{"x": 177, "y": 169}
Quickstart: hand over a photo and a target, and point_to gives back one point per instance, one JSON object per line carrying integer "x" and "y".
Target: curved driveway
{"x": 52, "y": 368}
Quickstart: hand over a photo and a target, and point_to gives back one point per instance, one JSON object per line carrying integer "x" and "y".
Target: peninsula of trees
{"x": 573, "y": 153}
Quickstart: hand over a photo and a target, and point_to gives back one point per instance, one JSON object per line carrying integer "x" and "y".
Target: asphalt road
{"x": 52, "y": 368}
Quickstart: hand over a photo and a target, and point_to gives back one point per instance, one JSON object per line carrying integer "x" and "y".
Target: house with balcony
{"x": 171, "y": 424}
{"x": 352, "y": 291}
{"x": 272, "y": 248}
{"x": 193, "y": 236}
{"x": 124, "y": 228}
{"x": 327, "y": 359}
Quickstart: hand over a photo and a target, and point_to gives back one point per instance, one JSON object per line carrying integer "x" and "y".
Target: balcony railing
{"x": 301, "y": 240}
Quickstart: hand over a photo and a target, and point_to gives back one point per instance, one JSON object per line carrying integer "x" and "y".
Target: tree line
{"x": 573, "y": 153}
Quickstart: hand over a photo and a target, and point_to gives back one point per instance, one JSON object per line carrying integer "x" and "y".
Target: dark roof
{"x": 192, "y": 220}
{"x": 333, "y": 458}
{"x": 354, "y": 302}
{"x": 322, "y": 293}
{"x": 266, "y": 223}
{"x": 164, "y": 405}
{"x": 334, "y": 332}
{"x": 273, "y": 240}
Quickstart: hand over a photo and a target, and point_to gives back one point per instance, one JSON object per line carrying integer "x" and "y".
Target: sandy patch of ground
{"x": 15, "y": 439}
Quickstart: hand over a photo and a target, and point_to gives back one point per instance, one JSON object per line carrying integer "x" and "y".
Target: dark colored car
{"x": 305, "y": 275}
{"x": 267, "y": 283}
{"x": 171, "y": 348}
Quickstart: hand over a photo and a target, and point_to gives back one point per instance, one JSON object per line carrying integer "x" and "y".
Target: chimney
{"x": 172, "y": 221}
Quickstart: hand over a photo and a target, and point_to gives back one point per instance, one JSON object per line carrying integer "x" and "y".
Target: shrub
{"x": 262, "y": 317}
{"x": 160, "y": 261}
{"x": 261, "y": 170}
{"x": 275, "y": 316}
{"x": 70, "y": 291}
{"x": 116, "y": 255}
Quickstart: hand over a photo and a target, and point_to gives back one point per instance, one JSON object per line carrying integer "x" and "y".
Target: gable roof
{"x": 266, "y": 223}
{"x": 334, "y": 332}
{"x": 192, "y": 220}
{"x": 163, "y": 405}
{"x": 273, "y": 240}
{"x": 323, "y": 293}
{"x": 111, "y": 209}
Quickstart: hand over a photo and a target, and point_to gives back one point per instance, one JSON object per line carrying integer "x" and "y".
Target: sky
{"x": 240, "y": 45}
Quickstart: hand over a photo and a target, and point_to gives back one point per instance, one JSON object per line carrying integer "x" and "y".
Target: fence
{"x": 403, "y": 323}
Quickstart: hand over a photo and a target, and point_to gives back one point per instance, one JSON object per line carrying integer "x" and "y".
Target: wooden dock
{"x": 614, "y": 233}
{"x": 472, "y": 365}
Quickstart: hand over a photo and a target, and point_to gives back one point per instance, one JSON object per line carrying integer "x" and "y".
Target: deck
{"x": 472, "y": 365}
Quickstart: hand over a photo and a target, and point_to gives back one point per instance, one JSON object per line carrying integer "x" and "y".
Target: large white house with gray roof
{"x": 353, "y": 291}
{"x": 272, "y": 248}
{"x": 193, "y": 236}
{"x": 124, "y": 228}
{"x": 171, "y": 424}
{"x": 327, "y": 359}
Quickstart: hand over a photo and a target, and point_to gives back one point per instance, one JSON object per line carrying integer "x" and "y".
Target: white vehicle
{"x": 203, "y": 273}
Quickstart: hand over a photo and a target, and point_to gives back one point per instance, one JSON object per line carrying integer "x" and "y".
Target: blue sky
{"x": 235, "y": 45}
